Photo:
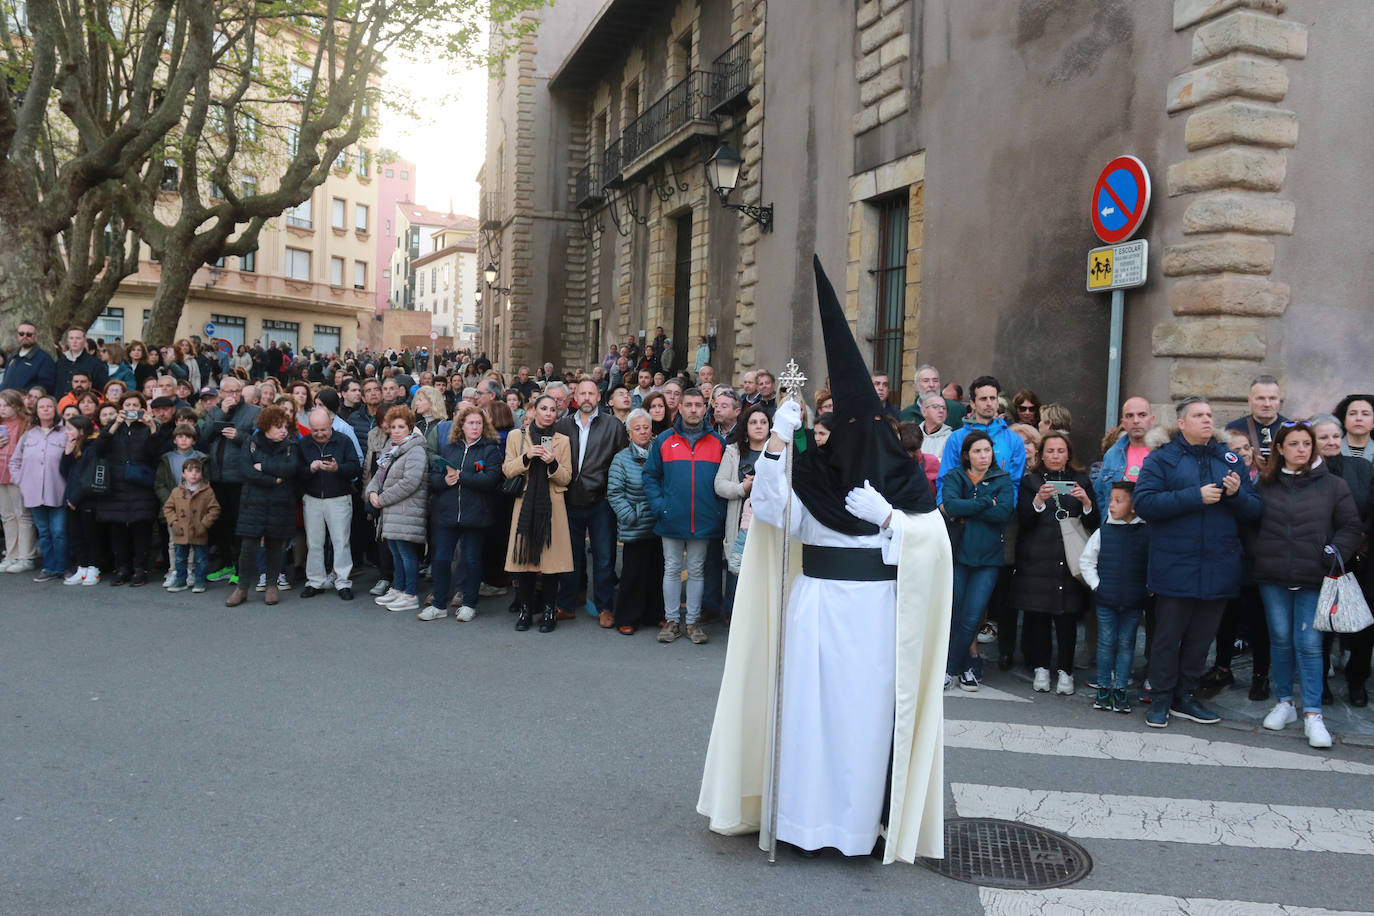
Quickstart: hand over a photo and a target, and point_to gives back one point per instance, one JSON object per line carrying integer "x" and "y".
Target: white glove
{"x": 787, "y": 419}
{"x": 868, "y": 504}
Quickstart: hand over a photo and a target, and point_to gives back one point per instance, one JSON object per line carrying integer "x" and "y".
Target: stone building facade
{"x": 939, "y": 156}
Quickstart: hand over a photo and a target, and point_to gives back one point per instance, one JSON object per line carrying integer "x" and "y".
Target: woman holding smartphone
{"x": 1042, "y": 585}
{"x": 539, "y": 538}
{"x": 130, "y": 506}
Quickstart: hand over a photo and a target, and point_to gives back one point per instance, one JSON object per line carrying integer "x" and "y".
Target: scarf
{"x": 534, "y": 527}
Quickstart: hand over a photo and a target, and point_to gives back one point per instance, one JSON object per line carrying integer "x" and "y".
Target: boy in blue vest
{"x": 1114, "y": 564}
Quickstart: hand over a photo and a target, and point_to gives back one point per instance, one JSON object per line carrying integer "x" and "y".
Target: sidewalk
{"x": 1347, "y": 724}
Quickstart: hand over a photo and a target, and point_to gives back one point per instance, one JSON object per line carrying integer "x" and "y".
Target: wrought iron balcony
{"x": 588, "y": 188}
{"x": 681, "y": 113}
{"x": 489, "y": 210}
{"x": 730, "y": 76}
{"x": 611, "y": 163}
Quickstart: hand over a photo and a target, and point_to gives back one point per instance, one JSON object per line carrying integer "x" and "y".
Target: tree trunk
{"x": 178, "y": 268}
{"x": 26, "y": 282}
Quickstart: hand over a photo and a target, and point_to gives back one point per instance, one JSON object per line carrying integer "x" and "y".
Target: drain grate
{"x": 995, "y": 853}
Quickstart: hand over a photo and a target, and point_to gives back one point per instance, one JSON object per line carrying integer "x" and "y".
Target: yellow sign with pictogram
{"x": 1118, "y": 266}
{"x": 1100, "y": 269}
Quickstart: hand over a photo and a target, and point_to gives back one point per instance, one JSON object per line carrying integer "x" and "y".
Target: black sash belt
{"x": 855, "y": 564}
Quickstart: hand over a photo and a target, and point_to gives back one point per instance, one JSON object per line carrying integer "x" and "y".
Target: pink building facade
{"x": 396, "y": 182}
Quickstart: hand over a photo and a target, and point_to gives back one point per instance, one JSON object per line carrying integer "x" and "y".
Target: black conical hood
{"x": 863, "y": 444}
{"x": 850, "y": 382}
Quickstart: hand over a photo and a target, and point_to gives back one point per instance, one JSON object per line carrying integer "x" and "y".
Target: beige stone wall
{"x": 884, "y": 29}
{"x": 1225, "y": 303}
{"x": 749, "y": 191}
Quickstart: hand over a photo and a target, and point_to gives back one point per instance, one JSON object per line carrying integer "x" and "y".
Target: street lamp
{"x": 477, "y": 296}
{"x": 489, "y": 273}
{"x": 722, "y": 174}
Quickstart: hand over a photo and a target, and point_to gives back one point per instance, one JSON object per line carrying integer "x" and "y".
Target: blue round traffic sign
{"x": 1120, "y": 199}
{"x": 209, "y": 329}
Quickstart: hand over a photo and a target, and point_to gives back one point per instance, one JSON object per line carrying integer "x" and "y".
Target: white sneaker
{"x": 488, "y": 591}
{"x": 262, "y": 582}
{"x": 1315, "y": 730}
{"x": 283, "y": 583}
{"x": 77, "y": 577}
{"x": 949, "y": 682}
{"x": 1282, "y": 714}
{"x": 5, "y": 565}
{"x": 387, "y": 597}
{"x": 21, "y": 566}
{"x": 381, "y": 588}
{"x": 405, "y": 603}
{"x": 1042, "y": 680}
{"x": 1065, "y": 685}
{"x": 433, "y": 613}
{"x": 92, "y": 576}
{"x": 168, "y": 579}
{"x": 466, "y": 613}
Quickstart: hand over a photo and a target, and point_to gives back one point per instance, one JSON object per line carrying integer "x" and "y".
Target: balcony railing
{"x": 611, "y": 163}
{"x": 730, "y": 75}
{"x": 489, "y": 210}
{"x": 587, "y": 190}
{"x": 675, "y": 109}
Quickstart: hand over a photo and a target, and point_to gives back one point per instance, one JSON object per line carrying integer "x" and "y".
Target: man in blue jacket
{"x": 1124, "y": 460}
{"x": 30, "y": 364}
{"x": 680, "y": 484}
{"x": 1008, "y": 451}
{"x": 1193, "y": 492}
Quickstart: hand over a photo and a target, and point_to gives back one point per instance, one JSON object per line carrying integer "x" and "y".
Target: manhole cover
{"x": 993, "y": 853}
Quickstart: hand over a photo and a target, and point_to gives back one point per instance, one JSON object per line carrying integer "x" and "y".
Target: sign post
{"x": 1120, "y": 200}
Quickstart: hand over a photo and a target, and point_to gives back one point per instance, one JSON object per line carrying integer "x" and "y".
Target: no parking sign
{"x": 1120, "y": 199}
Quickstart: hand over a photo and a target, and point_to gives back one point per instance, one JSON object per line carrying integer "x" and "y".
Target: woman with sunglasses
{"x": 1306, "y": 508}
{"x": 1026, "y": 406}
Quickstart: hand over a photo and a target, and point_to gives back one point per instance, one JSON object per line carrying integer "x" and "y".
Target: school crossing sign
{"x": 1118, "y": 266}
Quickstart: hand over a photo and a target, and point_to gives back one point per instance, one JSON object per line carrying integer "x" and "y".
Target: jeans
{"x": 199, "y": 556}
{"x": 332, "y": 517}
{"x": 1294, "y": 644}
{"x": 469, "y": 542}
{"x": 673, "y": 549}
{"x": 406, "y": 563}
{"x": 51, "y": 522}
{"x": 597, "y": 522}
{"x": 1116, "y": 629}
{"x": 973, "y": 587}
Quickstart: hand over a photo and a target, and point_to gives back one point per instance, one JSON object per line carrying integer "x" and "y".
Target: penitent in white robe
{"x": 838, "y": 686}
{"x": 863, "y": 679}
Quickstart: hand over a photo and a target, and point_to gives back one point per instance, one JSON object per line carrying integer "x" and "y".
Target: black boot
{"x": 549, "y": 620}
{"x": 524, "y": 618}
{"x": 1259, "y": 687}
{"x": 1358, "y": 695}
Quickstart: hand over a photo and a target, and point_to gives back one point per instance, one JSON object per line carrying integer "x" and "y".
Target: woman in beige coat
{"x": 539, "y": 538}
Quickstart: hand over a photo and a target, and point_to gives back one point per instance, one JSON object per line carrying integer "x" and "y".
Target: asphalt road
{"x": 162, "y": 754}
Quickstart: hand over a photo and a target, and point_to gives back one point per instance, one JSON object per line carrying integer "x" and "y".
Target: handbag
{"x": 514, "y": 487}
{"x": 95, "y": 478}
{"x": 1341, "y": 607}
{"x": 1075, "y": 538}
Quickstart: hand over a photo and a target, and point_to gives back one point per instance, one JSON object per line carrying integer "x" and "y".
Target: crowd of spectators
{"x": 625, "y": 492}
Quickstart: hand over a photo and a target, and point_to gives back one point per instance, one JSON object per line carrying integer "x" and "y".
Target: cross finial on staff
{"x": 792, "y": 380}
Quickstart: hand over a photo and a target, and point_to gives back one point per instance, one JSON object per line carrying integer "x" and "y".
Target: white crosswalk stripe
{"x": 984, "y": 692}
{"x": 1142, "y": 746}
{"x": 1174, "y": 820}
{"x": 998, "y": 902}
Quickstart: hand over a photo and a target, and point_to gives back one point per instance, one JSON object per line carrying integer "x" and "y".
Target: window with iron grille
{"x": 890, "y": 333}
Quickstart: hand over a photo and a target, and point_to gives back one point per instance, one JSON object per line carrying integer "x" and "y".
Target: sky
{"x": 447, "y": 143}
